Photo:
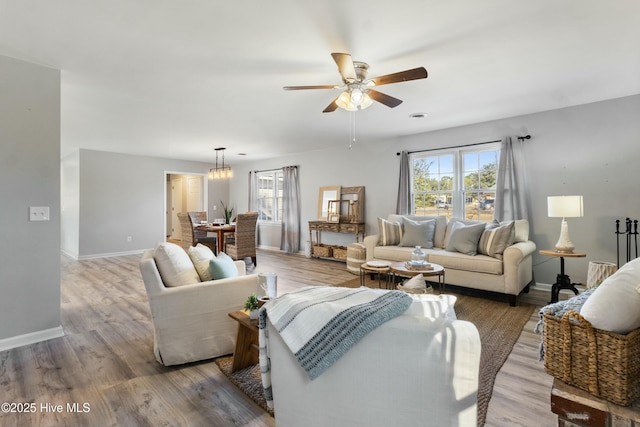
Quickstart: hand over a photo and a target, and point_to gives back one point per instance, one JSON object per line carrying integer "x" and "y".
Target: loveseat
{"x": 420, "y": 368}
{"x": 190, "y": 308}
{"x": 494, "y": 257}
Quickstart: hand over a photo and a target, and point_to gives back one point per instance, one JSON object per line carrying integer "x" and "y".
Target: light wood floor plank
{"x": 106, "y": 359}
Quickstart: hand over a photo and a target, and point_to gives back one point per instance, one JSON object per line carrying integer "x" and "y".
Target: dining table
{"x": 219, "y": 229}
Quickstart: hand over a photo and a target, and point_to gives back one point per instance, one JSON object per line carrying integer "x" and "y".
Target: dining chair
{"x": 191, "y": 238}
{"x": 244, "y": 243}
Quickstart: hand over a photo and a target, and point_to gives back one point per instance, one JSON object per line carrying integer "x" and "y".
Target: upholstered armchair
{"x": 191, "y": 321}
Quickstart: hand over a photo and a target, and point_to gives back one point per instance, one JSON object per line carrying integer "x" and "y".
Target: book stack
{"x": 418, "y": 267}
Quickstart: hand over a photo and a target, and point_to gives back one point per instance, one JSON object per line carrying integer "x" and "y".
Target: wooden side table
{"x": 374, "y": 269}
{"x": 562, "y": 280}
{"x": 246, "y": 352}
{"x": 400, "y": 269}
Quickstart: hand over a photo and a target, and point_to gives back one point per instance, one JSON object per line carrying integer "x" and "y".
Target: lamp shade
{"x": 564, "y": 206}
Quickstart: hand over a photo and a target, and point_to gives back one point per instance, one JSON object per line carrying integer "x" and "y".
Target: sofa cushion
{"x": 458, "y": 261}
{"x": 393, "y": 253}
{"x": 521, "y": 227}
{"x": 390, "y": 232}
{"x": 200, "y": 256}
{"x": 222, "y": 267}
{"x": 465, "y": 238}
{"x": 174, "y": 265}
{"x": 441, "y": 225}
{"x": 496, "y": 238}
{"x": 418, "y": 233}
{"x": 452, "y": 222}
{"x": 615, "y": 304}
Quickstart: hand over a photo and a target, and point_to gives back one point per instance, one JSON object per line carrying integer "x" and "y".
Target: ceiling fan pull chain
{"x": 352, "y": 128}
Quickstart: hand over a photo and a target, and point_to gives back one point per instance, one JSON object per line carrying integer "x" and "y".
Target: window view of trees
{"x": 456, "y": 183}
{"x": 270, "y": 196}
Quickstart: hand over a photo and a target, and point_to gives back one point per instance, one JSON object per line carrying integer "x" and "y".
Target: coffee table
{"x": 246, "y": 352}
{"x": 400, "y": 269}
{"x": 375, "y": 267}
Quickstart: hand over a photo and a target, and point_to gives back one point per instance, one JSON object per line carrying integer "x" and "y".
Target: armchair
{"x": 410, "y": 371}
{"x": 191, "y": 322}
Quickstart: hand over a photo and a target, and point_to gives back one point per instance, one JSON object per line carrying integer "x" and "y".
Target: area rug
{"x": 499, "y": 326}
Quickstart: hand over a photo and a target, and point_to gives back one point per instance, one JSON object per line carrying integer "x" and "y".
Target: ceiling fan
{"x": 358, "y": 92}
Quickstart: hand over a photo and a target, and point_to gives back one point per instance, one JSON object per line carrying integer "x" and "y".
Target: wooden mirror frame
{"x": 347, "y": 214}
{"x": 324, "y": 196}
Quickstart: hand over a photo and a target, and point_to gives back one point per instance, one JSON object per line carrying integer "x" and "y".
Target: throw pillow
{"x": 465, "y": 238}
{"x": 615, "y": 305}
{"x": 174, "y": 265}
{"x": 418, "y": 233}
{"x": 390, "y": 232}
{"x": 494, "y": 240}
{"x": 200, "y": 257}
{"x": 449, "y": 229}
{"x": 429, "y": 305}
{"x": 222, "y": 267}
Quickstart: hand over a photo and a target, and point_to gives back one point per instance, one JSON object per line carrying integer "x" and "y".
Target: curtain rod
{"x": 521, "y": 138}
{"x": 275, "y": 169}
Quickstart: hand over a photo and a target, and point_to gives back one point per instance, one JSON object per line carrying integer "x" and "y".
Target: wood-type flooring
{"x": 103, "y": 372}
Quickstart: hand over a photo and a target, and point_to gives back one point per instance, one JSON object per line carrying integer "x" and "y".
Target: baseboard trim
{"x": 110, "y": 254}
{"x": 31, "y": 338}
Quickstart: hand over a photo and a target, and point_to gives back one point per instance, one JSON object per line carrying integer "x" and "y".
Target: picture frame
{"x": 352, "y": 205}
{"x": 326, "y": 194}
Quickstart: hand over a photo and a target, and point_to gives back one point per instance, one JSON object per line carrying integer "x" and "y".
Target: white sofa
{"x": 508, "y": 274}
{"x": 191, "y": 321}
{"x": 414, "y": 370}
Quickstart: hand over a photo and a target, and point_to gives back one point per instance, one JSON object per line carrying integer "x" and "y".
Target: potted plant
{"x": 228, "y": 213}
{"x": 251, "y": 305}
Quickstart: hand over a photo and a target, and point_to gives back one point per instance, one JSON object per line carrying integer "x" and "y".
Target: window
{"x": 269, "y": 202}
{"x": 459, "y": 183}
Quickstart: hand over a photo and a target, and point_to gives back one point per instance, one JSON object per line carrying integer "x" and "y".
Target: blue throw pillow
{"x": 222, "y": 267}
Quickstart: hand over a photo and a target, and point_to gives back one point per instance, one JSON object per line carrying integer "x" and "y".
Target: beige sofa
{"x": 509, "y": 273}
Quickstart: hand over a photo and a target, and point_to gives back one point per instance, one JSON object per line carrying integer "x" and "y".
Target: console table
{"x": 562, "y": 280}
{"x": 317, "y": 227}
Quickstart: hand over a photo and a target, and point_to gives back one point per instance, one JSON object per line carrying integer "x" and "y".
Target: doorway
{"x": 185, "y": 192}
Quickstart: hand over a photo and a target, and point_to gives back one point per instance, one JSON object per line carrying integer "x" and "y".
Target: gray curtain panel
{"x": 253, "y": 191}
{"x": 512, "y": 186}
{"x": 290, "y": 238}
{"x": 403, "y": 205}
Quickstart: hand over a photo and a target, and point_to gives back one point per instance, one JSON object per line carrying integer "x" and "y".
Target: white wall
{"x": 593, "y": 150}
{"x": 120, "y": 196}
{"x": 29, "y": 176}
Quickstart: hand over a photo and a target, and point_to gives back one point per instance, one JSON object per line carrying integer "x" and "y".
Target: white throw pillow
{"x": 174, "y": 265}
{"x": 615, "y": 304}
{"x": 429, "y": 305}
{"x": 201, "y": 256}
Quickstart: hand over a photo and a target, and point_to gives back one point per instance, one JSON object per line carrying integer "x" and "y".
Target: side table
{"x": 246, "y": 352}
{"x": 562, "y": 280}
{"x": 379, "y": 269}
{"x": 400, "y": 269}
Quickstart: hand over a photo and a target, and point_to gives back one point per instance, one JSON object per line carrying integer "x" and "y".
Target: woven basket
{"x": 602, "y": 363}
{"x": 322, "y": 250}
{"x": 340, "y": 252}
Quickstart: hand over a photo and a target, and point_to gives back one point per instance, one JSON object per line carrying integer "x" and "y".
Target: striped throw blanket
{"x": 320, "y": 324}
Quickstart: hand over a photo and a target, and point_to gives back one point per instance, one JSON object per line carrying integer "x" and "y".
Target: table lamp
{"x": 564, "y": 207}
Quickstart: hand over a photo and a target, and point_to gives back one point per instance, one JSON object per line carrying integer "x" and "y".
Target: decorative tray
{"x": 378, "y": 264}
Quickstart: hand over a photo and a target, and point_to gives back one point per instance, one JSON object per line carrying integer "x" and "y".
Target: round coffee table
{"x": 375, "y": 267}
{"x": 400, "y": 269}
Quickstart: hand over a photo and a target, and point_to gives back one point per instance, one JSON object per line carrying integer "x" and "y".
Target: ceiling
{"x": 179, "y": 78}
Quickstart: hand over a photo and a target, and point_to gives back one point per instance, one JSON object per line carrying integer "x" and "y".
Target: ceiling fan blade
{"x": 385, "y": 99}
{"x": 345, "y": 66}
{"x": 331, "y": 107}
{"x": 310, "y": 87}
{"x": 402, "y": 76}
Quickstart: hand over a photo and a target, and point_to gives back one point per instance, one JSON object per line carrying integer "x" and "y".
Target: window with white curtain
{"x": 455, "y": 182}
{"x": 269, "y": 195}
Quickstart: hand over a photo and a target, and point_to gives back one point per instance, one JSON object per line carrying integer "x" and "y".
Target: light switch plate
{"x": 38, "y": 213}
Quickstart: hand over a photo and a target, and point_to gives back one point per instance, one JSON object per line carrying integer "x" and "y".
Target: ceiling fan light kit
{"x": 357, "y": 93}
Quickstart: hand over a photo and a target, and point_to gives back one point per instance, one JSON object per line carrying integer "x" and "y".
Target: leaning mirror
{"x": 324, "y": 196}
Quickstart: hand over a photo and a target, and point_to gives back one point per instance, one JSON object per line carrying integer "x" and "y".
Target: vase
{"x": 253, "y": 314}
{"x": 418, "y": 256}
